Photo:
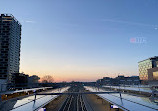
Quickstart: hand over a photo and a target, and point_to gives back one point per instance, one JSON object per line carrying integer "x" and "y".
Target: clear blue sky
{"x": 84, "y": 39}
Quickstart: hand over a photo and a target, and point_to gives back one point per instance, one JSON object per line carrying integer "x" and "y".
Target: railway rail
{"x": 73, "y": 103}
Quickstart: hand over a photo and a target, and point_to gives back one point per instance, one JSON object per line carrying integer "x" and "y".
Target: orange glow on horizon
{"x": 75, "y": 73}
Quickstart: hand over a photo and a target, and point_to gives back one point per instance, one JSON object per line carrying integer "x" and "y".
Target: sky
{"x": 84, "y": 40}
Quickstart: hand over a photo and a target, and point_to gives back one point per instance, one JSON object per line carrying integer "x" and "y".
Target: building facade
{"x": 21, "y": 80}
{"x": 10, "y": 41}
{"x": 145, "y": 65}
{"x": 153, "y": 74}
{"x": 120, "y": 80}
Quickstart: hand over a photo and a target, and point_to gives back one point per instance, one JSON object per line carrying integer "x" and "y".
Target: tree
{"x": 47, "y": 79}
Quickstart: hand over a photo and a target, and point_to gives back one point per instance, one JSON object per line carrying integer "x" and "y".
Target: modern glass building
{"x": 10, "y": 40}
{"x": 145, "y": 65}
{"x": 155, "y": 75}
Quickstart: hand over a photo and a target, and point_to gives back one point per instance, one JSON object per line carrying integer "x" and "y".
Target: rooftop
{"x": 10, "y": 15}
{"x": 155, "y": 57}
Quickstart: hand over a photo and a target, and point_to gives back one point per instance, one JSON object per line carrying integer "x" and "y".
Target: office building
{"x": 21, "y": 80}
{"x": 120, "y": 80}
{"x": 153, "y": 74}
{"x": 10, "y": 40}
{"x": 144, "y": 67}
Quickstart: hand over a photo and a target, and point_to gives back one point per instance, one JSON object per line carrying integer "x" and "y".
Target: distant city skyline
{"x": 85, "y": 40}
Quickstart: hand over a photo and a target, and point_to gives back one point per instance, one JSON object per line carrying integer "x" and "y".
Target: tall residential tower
{"x": 10, "y": 40}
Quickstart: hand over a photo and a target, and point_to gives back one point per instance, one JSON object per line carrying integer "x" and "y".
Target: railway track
{"x": 74, "y": 102}
{"x": 81, "y": 104}
{"x": 67, "y": 104}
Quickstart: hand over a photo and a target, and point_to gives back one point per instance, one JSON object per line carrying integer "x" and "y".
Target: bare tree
{"x": 47, "y": 79}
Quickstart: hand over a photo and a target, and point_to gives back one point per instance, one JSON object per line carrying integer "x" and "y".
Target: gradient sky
{"x": 85, "y": 39}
